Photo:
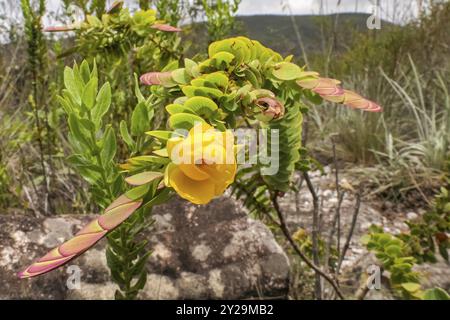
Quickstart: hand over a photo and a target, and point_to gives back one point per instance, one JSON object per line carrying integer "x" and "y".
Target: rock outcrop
{"x": 199, "y": 252}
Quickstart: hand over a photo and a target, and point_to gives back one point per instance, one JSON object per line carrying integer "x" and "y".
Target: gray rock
{"x": 199, "y": 252}
{"x": 412, "y": 215}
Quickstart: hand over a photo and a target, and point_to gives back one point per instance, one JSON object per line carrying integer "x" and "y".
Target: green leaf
{"x": 313, "y": 97}
{"x": 78, "y": 79}
{"x": 191, "y": 67}
{"x": 89, "y": 175}
{"x": 140, "y": 284}
{"x": 184, "y": 121}
{"x": 175, "y": 108}
{"x": 393, "y": 250}
{"x": 140, "y": 264}
{"x": 287, "y": 71}
{"x": 115, "y": 245}
{"x": 161, "y": 152}
{"x": 171, "y": 66}
{"x": 138, "y": 192}
{"x": 160, "y": 198}
{"x": 180, "y": 76}
{"x": 87, "y": 124}
{"x": 220, "y": 79}
{"x": 411, "y": 286}
{"x": 365, "y": 239}
{"x": 75, "y": 129}
{"x": 163, "y": 135}
{"x": 71, "y": 85}
{"x": 447, "y": 207}
{"x": 77, "y": 160}
{"x": 436, "y": 294}
{"x": 118, "y": 295}
{"x": 202, "y": 106}
{"x": 143, "y": 178}
{"x": 383, "y": 239}
{"x": 85, "y": 71}
{"x": 103, "y": 102}
{"x": 137, "y": 89}
{"x": 126, "y": 135}
{"x": 90, "y": 93}
{"x": 223, "y": 60}
{"x": 109, "y": 146}
{"x": 94, "y": 21}
{"x": 94, "y": 72}
{"x": 65, "y": 104}
{"x": 115, "y": 265}
{"x": 140, "y": 121}
{"x": 191, "y": 91}
{"x": 150, "y": 159}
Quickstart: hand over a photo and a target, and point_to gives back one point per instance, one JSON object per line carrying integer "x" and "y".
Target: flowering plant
{"x": 241, "y": 83}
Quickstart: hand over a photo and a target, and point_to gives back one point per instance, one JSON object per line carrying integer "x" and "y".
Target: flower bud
{"x": 272, "y": 109}
{"x": 157, "y": 78}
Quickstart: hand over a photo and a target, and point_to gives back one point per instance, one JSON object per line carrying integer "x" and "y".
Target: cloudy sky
{"x": 392, "y": 10}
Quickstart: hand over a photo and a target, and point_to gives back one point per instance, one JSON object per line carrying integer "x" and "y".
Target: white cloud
{"x": 394, "y": 10}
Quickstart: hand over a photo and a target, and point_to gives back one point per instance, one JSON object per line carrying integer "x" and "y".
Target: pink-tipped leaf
{"x": 59, "y": 29}
{"x": 157, "y": 78}
{"x": 114, "y": 215}
{"x": 355, "y": 101}
{"x": 328, "y": 87}
{"x": 165, "y": 27}
{"x": 330, "y": 90}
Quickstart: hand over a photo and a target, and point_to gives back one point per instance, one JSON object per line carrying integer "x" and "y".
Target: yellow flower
{"x": 202, "y": 165}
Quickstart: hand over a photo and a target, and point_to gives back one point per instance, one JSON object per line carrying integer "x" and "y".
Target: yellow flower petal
{"x": 200, "y": 128}
{"x": 194, "y": 172}
{"x": 221, "y": 173}
{"x": 203, "y": 164}
{"x": 198, "y": 192}
{"x": 171, "y": 144}
{"x": 161, "y": 152}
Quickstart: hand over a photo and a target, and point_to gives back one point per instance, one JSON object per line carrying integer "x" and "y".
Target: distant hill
{"x": 277, "y": 31}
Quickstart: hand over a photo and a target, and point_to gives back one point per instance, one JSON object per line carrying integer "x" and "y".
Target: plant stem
{"x": 309, "y": 263}
{"x": 315, "y": 234}
{"x": 352, "y": 229}
{"x": 338, "y": 193}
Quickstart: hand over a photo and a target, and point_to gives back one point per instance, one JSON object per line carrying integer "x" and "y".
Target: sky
{"x": 251, "y": 7}
{"x": 391, "y": 10}
{"x": 297, "y": 6}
